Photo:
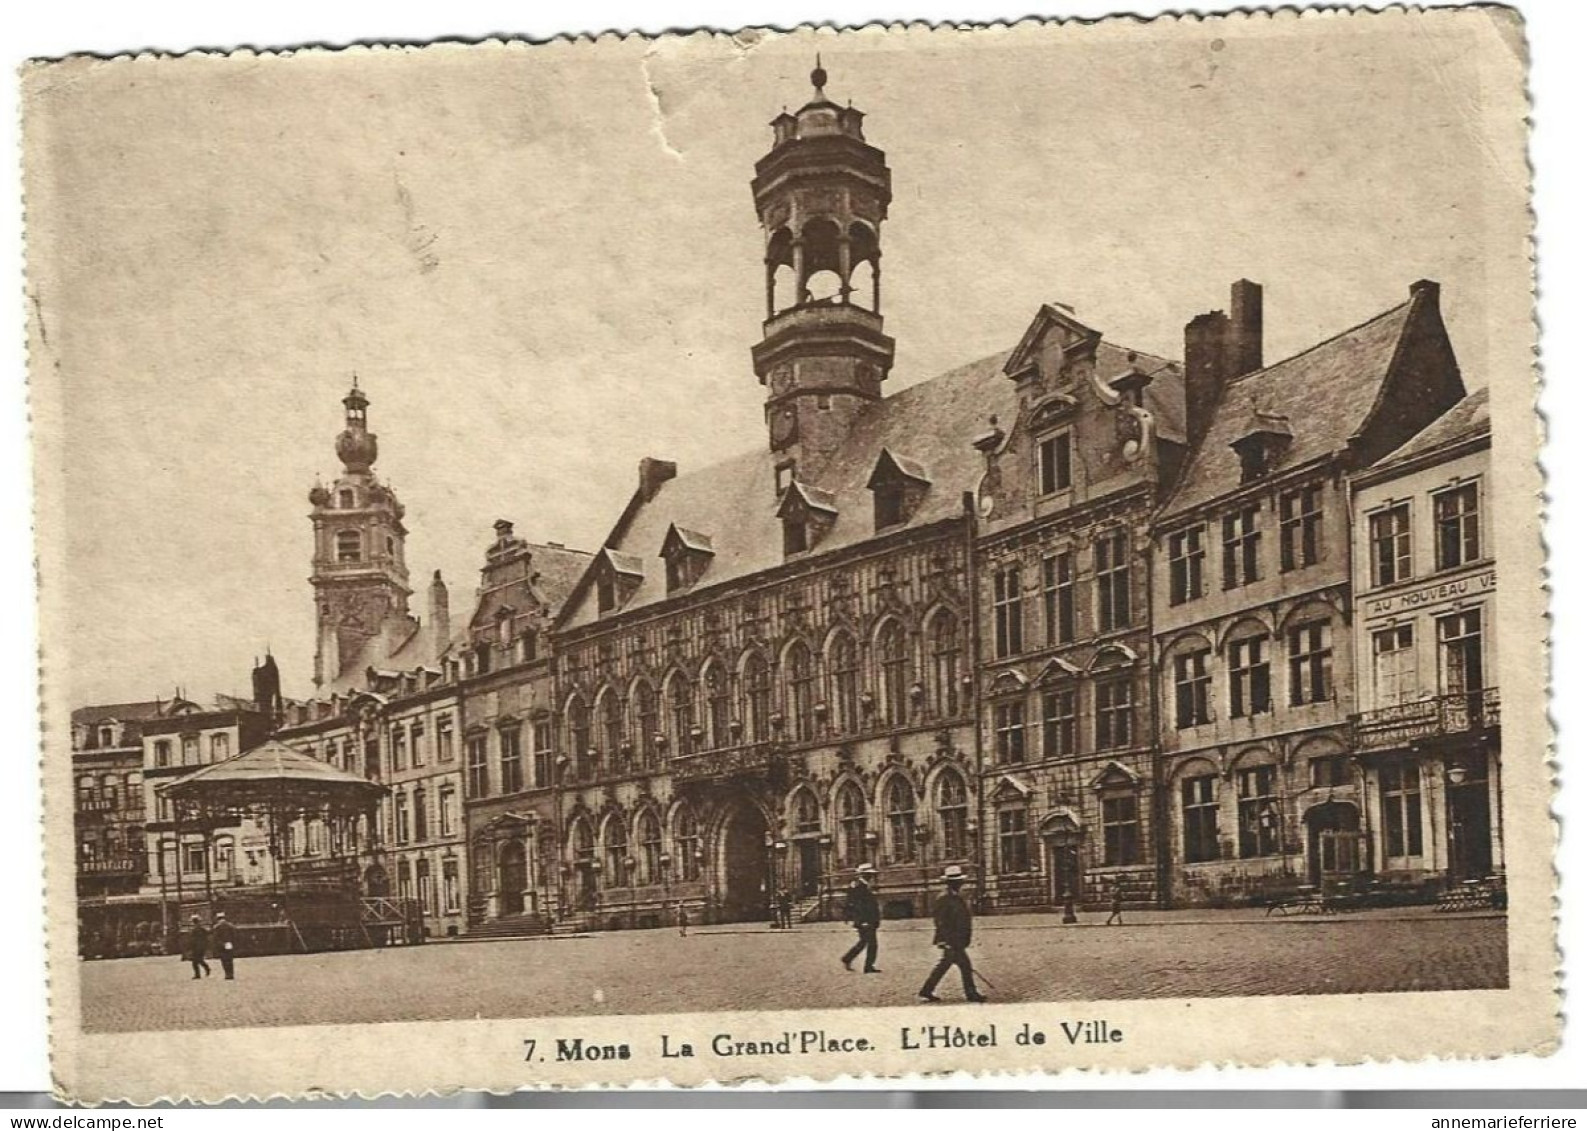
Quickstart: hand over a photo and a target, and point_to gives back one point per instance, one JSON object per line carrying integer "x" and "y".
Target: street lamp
{"x": 633, "y": 890}
{"x": 825, "y": 841}
{"x": 666, "y": 887}
{"x": 922, "y": 835}
{"x": 595, "y": 891}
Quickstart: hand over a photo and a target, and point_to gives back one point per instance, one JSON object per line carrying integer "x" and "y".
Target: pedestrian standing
{"x": 225, "y": 938}
{"x": 196, "y": 948}
{"x": 862, "y": 910}
{"x": 785, "y": 908}
{"x": 1116, "y": 915}
{"x": 952, "y": 937}
{"x": 683, "y": 920}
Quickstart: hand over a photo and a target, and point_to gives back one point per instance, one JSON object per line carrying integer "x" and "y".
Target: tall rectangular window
{"x": 1250, "y": 680}
{"x": 1187, "y": 555}
{"x": 544, "y": 756}
{"x": 1389, "y": 532}
{"x": 1113, "y": 582}
{"x": 401, "y": 805}
{"x": 1300, "y": 528}
{"x": 449, "y": 887}
{"x": 1311, "y": 663}
{"x": 1242, "y": 545}
{"x": 1460, "y": 652}
{"x": 1459, "y": 536}
{"x": 1008, "y": 726}
{"x": 219, "y": 747}
{"x": 162, "y": 752}
{"x": 1199, "y": 808}
{"x": 448, "y": 811}
{"x": 1058, "y": 598}
{"x": 1058, "y": 738}
{"x": 478, "y": 768}
{"x": 1007, "y": 619}
{"x": 1121, "y": 830}
{"x": 416, "y": 743}
{"x": 511, "y": 759}
{"x": 1259, "y": 816}
{"x": 1053, "y": 465}
{"x": 1394, "y": 665}
{"x": 399, "y": 748}
{"x": 1401, "y": 788}
{"x": 1115, "y": 713}
{"x": 1192, "y": 689}
{"x": 1013, "y": 841}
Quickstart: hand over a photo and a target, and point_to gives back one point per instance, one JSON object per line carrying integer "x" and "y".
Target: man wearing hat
{"x": 952, "y": 938}
{"x": 225, "y": 936}
{"x": 197, "y": 948}
{"x": 862, "y": 910}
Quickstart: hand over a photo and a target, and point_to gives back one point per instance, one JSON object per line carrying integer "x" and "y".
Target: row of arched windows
{"x": 805, "y": 696}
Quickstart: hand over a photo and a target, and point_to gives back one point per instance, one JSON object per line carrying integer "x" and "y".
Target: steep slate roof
{"x": 120, "y": 712}
{"x": 1327, "y": 391}
{"x": 734, "y": 502}
{"x": 557, "y": 571}
{"x": 1466, "y": 420}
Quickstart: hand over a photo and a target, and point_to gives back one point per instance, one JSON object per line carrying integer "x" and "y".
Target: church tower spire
{"x": 360, "y": 572}
{"x": 821, "y": 194}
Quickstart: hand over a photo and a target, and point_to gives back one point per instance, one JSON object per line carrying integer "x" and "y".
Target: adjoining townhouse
{"x": 509, "y": 736}
{"x": 1065, "y": 511}
{"x": 108, "y": 810}
{"x": 764, "y": 678}
{"x": 1251, "y": 604}
{"x": 1427, "y": 734}
{"x": 193, "y": 860}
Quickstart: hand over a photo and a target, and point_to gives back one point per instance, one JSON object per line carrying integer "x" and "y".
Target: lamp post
{"x": 922, "y": 835}
{"x": 782, "y": 880}
{"x": 826, "y": 876}
{"x": 633, "y": 890}
{"x": 971, "y": 830}
{"x": 665, "y": 861}
{"x": 770, "y": 884}
{"x": 595, "y": 891}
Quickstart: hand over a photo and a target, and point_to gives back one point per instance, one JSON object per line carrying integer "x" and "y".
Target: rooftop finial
{"x": 818, "y": 77}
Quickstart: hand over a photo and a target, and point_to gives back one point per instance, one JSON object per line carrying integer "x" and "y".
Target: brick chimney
{"x": 440, "y": 615}
{"x": 1218, "y": 348}
{"x": 652, "y": 474}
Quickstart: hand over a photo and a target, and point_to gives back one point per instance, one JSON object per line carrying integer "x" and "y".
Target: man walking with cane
{"x": 225, "y": 939}
{"x": 862, "y": 910}
{"x": 952, "y": 938}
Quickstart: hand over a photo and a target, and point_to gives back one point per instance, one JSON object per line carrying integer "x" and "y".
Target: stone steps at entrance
{"x": 510, "y": 927}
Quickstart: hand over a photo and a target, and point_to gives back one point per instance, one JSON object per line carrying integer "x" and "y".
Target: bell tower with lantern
{"x": 821, "y": 195}
{"x": 360, "y": 573}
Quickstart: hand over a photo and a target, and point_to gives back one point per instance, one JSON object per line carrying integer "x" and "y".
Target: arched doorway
{"x": 744, "y": 873}
{"x": 1064, "y": 837}
{"x": 512, "y": 876}
{"x": 376, "y": 882}
{"x": 1333, "y": 842}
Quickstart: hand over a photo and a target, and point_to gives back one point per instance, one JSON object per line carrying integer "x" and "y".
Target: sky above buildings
{"x": 544, "y": 263}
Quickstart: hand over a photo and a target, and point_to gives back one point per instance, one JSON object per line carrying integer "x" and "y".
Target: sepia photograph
{"x": 527, "y": 599}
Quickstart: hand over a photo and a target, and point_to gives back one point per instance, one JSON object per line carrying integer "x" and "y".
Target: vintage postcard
{"x": 1111, "y": 636}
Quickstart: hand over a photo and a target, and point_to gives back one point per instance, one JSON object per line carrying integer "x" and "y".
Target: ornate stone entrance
{"x": 743, "y": 862}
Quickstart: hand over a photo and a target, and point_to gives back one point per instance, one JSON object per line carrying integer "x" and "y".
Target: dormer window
{"x": 807, "y": 513}
{"x": 1261, "y": 444}
{"x": 617, "y": 578}
{"x": 345, "y": 498}
{"x": 687, "y": 553}
{"x": 897, "y": 486}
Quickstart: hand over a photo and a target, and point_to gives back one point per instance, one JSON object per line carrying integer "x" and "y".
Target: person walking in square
{"x": 1116, "y": 915}
{"x": 785, "y": 909}
{"x": 683, "y": 920}
{"x": 196, "y": 949}
{"x": 862, "y": 910}
{"x": 225, "y": 938}
{"x": 952, "y": 937}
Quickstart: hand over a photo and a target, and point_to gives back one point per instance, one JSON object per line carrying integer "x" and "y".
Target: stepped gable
{"x": 1329, "y": 394}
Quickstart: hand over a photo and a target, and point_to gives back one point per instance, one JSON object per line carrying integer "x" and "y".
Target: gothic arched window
{"x": 611, "y": 715}
{"x": 806, "y": 812}
{"x": 900, "y": 821}
{"x": 686, "y": 838}
{"x": 649, "y": 849}
{"x": 801, "y": 687}
{"x": 718, "y": 707}
{"x": 680, "y": 701}
{"x": 757, "y": 696}
{"x": 579, "y": 732}
{"x": 893, "y": 649}
{"x": 615, "y": 838}
{"x": 851, "y": 825}
{"x": 944, "y": 636}
{"x": 953, "y": 815}
{"x": 649, "y": 721}
{"x": 845, "y": 667}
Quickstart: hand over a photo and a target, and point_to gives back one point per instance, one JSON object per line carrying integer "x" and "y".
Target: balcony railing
{"x": 1406, "y": 724}
{"x": 751, "y": 759}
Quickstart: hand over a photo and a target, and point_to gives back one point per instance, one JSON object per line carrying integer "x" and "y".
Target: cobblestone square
{"x": 1023, "y": 958}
